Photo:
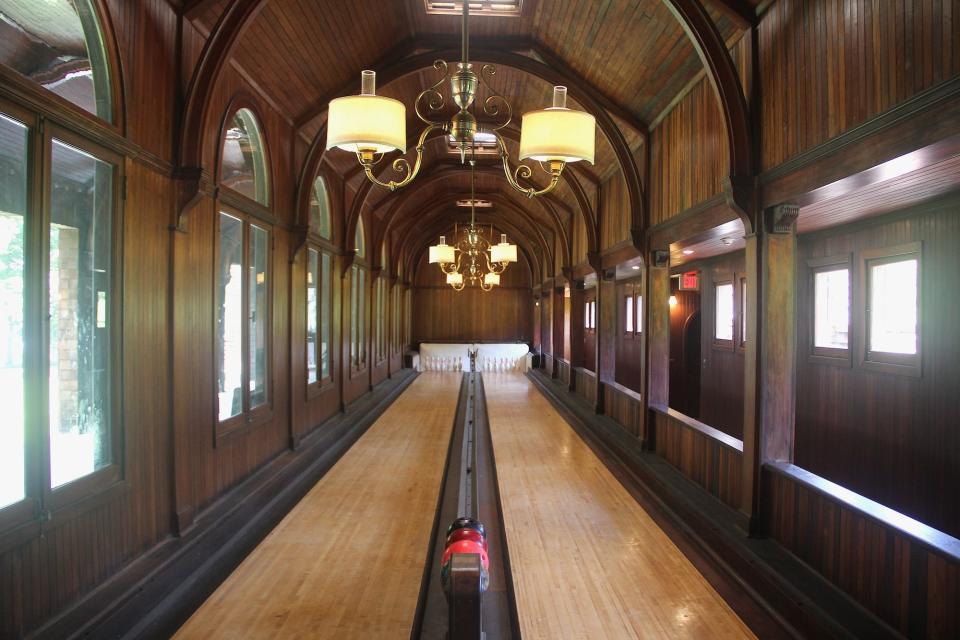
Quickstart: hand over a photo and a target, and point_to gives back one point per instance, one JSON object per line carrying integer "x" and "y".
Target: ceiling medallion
{"x": 473, "y": 258}
{"x": 371, "y": 126}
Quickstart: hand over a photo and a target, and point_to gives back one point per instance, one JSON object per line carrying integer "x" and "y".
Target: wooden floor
{"x": 347, "y": 561}
{"x": 587, "y": 560}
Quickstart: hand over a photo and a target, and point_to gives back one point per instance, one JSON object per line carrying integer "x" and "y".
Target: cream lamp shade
{"x": 491, "y": 279}
{"x": 367, "y": 122}
{"x": 442, "y": 253}
{"x": 558, "y": 133}
{"x": 455, "y": 279}
{"x": 503, "y": 252}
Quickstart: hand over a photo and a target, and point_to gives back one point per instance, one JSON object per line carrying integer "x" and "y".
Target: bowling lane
{"x": 347, "y": 561}
{"x": 587, "y": 560}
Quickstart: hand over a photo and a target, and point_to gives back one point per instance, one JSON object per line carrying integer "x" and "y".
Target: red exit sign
{"x": 690, "y": 281}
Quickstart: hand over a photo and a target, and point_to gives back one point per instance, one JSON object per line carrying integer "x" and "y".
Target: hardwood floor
{"x": 587, "y": 560}
{"x": 348, "y": 560}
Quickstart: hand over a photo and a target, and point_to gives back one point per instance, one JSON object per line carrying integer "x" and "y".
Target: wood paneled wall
{"x": 910, "y": 586}
{"x": 843, "y": 62}
{"x": 689, "y": 150}
{"x": 625, "y": 406}
{"x": 615, "y": 215}
{"x": 441, "y": 314}
{"x": 704, "y": 455}
{"x": 893, "y": 438}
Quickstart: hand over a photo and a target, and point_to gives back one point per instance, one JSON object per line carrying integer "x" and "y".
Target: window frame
{"x": 358, "y": 296}
{"x": 879, "y": 361}
{"x": 59, "y": 109}
{"x": 40, "y": 500}
{"x": 637, "y": 314}
{"x": 249, "y": 417}
{"x": 225, "y": 194}
{"x": 322, "y": 383}
{"x": 740, "y": 312}
{"x": 829, "y": 355}
{"x": 724, "y": 344}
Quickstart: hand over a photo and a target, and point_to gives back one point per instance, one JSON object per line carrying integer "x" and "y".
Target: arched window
{"x": 360, "y": 240}
{"x": 320, "y": 209}
{"x": 243, "y": 163}
{"x": 59, "y": 44}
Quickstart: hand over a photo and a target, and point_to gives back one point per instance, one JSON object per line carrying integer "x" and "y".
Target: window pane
{"x": 259, "y": 310}
{"x": 13, "y": 210}
{"x": 893, "y": 307}
{"x": 313, "y": 282}
{"x": 57, "y": 43}
{"x": 831, "y": 307}
{"x": 81, "y": 205}
{"x": 724, "y": 314}
{"x": 325, "y": 314}
{"x": 230, "y": 317}
{"x": 362, "y": 317}
{"x": 320, "y": 209}
{"x": 354, "y": 303}
{"x": 628, "y": 311}
{"x": 639, "y": 314}
{"x": 243, "y": 166}
{"x": 743, "y": 310}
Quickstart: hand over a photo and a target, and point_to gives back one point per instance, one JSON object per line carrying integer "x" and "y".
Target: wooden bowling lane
{"x": 587, "y": 560}
{"x": 347, "y": 561}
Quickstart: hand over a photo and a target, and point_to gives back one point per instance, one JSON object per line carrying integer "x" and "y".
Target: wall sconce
{"x": 673, "y": 301}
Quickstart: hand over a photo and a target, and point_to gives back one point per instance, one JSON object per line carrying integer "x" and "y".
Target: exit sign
{"x": 690, "y": 281}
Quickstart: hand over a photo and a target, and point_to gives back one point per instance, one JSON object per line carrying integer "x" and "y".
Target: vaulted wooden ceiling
{"x": 633, "y": 55}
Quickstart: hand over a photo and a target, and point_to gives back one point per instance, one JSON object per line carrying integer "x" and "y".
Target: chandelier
{"x": 473, "y": 259}
{"x": 371, "y": 126}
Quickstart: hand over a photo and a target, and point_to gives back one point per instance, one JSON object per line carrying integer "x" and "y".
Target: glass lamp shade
{"x": 367, "y": 123}
{"x": 491, "y": 279}
{"x": 442, "y": 252}
{"x": 455, "y": 279}
{"x": 503, "y": 252}
{"x": 558, "y": 134}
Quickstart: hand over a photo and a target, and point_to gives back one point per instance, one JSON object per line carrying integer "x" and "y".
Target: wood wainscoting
{"x": 585, "y": 384}
{"x": 907, "y": 573}
{"x": 707, "y": 456}
{"x": 625, "y": 406}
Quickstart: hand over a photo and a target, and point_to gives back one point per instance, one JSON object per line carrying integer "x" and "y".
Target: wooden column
{"x": 343, "y": 264}
{"x": 556, "y": 330}
{"x": 770, "y": 366}
{"x": 657, "y": 329}
{"x": 576, "y": 330}
{"x": 606, "y": 343}
{"x": 372, "y": 281}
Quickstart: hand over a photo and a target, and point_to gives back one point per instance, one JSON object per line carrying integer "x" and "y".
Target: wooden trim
{"x": 926, "y": 535}
{"x": 701, "y": 428}
{"x": 907, "y": 110}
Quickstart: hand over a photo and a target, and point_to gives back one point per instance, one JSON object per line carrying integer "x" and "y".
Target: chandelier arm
{"x": 401, "y": 165}
{"x": 494, "y": 103}
{"x": 523, "y": 171}
{"x": 432, "y": 97}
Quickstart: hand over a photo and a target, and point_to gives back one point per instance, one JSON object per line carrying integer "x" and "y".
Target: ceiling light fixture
{"x": 473, "y": 259}
{"x": 688, "y": 252}
{"x": 371, "y": 126}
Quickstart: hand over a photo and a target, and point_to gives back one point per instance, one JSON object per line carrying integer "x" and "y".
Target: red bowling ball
{"x": 466, "y": 546}
{"x": 468, "y": 534}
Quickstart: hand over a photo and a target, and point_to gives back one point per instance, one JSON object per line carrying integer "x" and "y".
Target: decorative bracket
{"x": 781, "y": 218}
{"x": 660, "y": 258}
{"x": 191, "y": 185}
{"x": 348, "y": 258}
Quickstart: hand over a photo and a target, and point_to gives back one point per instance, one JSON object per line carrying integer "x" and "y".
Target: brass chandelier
{"x": 371, "y": 126}
{"x": 473, "y": 259}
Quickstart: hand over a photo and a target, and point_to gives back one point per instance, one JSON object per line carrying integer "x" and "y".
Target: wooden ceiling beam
{"x": 193, "y": 9}
{"x": 740, "y": 12}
